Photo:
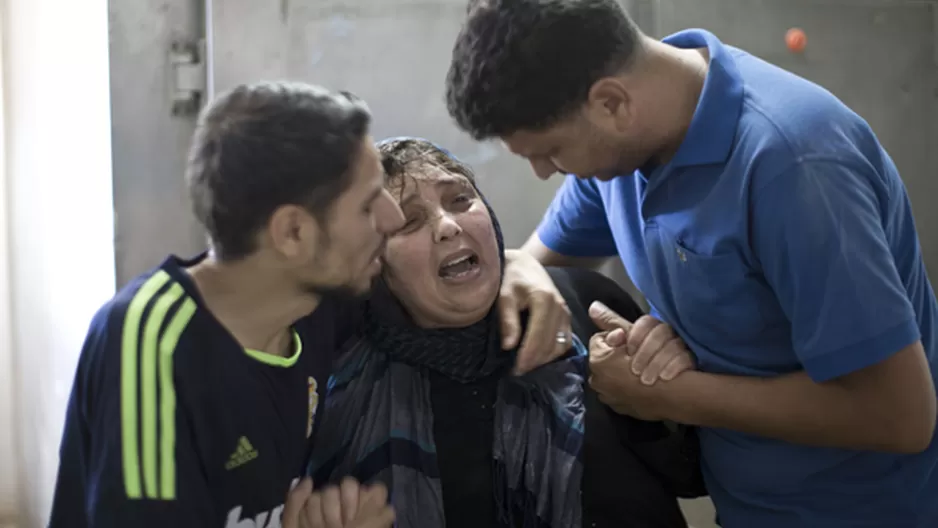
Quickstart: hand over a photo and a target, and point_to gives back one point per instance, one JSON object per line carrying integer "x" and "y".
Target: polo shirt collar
{"x": 710, "y": 137}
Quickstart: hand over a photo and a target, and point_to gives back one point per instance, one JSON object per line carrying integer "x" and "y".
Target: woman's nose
{"x": 446, "y": 227}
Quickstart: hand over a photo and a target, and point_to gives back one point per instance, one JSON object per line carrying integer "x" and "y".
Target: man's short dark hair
{"x": 527, "y": 64}
{"x": 262, "y": 146}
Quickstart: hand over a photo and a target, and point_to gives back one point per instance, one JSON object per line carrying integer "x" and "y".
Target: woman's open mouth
{"x": 460, "y": 266}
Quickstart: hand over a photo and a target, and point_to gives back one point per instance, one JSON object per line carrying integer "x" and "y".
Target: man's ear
{"x": 293, "y": 231}
{"x": 609, "y": 101}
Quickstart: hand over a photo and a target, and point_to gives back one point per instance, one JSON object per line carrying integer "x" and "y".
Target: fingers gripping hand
{"x": 332, "y": 507}
{"x": 349, "y": 505}
{"x": 350, "y": 494}
{"x": 615, "y": 384}
{"x": 374, "y": 510}
{"x": 296, "y": 503}
{"x": 548, "y": 317}
{"x": 524, "y": 282}
{"x": 614, "y": 327}
{"x": 657, "y": 351}
{"x": 608, "y": 366}
{"x": 608, "y": 320}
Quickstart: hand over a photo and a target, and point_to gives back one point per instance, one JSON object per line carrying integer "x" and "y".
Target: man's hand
{"x": 527, "y": 286}
{"x": 612, "y": 378}
{"x": 350, "y": 505}
{"x": 655, "y": 351}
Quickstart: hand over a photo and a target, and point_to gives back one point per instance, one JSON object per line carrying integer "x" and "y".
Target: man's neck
{"x": 676, "y": 78}
{"x": 252, "y": 301}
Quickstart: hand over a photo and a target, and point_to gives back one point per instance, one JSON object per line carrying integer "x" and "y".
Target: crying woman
{"x": 424, "y": 399}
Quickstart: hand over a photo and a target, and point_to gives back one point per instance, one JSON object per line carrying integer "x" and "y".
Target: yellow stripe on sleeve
{"x": 168, "y": 399}
{"x": 148, "y": 374}
{"x": 130, "y": 335}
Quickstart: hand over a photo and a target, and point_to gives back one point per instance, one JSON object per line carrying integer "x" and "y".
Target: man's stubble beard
{"x": 346, "y": 291}
{"x": 341, "y": 291}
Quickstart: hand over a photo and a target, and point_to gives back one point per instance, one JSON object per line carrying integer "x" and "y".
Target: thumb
{"x": 296, "y": 500}
{"x": 510, "y": 320}
{"x": 605, "y": 360}
{"x": 606, "y": 319}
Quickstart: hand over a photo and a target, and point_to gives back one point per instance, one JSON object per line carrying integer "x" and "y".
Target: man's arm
{"x": 574, "y": 231}
{"x": 889, "y": 406}
{"x": 126, "y": 458}
{"x": 548, "y": 257}
{"x": 818, "y": 232}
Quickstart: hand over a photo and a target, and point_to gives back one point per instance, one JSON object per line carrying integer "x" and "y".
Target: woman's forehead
{"x": 430, "y": 177}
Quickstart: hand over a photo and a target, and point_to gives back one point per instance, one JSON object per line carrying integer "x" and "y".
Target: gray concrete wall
{"x": 879, "y": 56}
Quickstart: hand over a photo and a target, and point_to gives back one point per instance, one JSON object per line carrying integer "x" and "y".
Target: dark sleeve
{"x": 127, "y": 456}
{"x": 669, "y": 450}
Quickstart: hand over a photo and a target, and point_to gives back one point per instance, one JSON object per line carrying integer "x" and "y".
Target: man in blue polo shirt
{"x": 770, "y": 233}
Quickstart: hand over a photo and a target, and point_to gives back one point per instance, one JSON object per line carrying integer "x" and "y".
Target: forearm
{"x": 549, "y": 257}
{"x": 794, "y": 408}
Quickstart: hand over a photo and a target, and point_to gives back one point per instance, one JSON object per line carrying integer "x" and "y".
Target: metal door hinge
{"x": 187, "y": 60}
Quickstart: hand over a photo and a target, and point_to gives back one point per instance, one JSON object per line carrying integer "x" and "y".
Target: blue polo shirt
{"x": 779, "y": 238}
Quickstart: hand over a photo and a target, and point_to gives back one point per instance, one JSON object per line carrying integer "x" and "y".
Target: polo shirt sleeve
{"x": 575, "y": 224}
{"x": 817, "y": 231}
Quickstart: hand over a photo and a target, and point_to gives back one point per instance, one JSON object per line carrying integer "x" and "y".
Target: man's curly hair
{"x": 527, "y": 64}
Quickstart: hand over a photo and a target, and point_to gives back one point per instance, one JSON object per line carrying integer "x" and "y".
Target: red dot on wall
{"x": 796, "y": 40}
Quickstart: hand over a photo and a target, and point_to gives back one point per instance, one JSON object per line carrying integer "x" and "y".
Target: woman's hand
{"x": 527, "y": 286}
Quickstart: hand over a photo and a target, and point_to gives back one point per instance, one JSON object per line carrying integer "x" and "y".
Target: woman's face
{"x": 443, "y": 265}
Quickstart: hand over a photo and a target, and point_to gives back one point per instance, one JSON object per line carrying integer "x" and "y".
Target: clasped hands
{"x": 626, "y": 359}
